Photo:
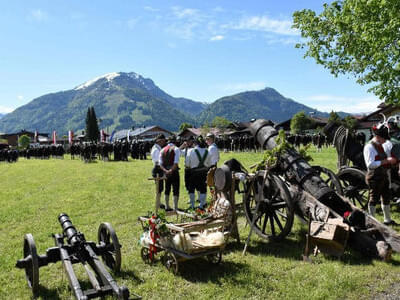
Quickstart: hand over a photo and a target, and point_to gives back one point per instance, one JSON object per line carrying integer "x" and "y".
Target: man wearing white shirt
{"x": 155, "y": 157}
{"x": 185, "y": 149}
{"x": 197, "y": 164}
{"x": 378, "y": 160}
{"x": 212, "y": 149}
{"x": 169, "y": 164}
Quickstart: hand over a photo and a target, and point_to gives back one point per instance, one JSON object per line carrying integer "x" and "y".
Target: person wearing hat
{"x": 197, "y": 164}
{"x": 169, "y": 164}
{"x": 378, "y": 160}
{"x": 155, "y": 157}
{"x": 212, "y": 149}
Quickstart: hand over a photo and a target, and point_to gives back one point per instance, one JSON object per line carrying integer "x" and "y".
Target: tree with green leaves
{"x": 24, "y": 141}
{"x": 220, "y": 123}
{"x": 300, "y": 122}
{"x": 357, "y": 37}
{"x": 184, "y": 126}
{"x": 92, "y": 127}
{"x": 334, "y": 117}
{"x": 349, "y": 122}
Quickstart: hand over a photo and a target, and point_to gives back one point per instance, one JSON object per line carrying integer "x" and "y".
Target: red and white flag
{"x": 102, "y": 136}
{"x": 70, "y": 136}
{"x": 54, "y": 137}
{"x": 35, "y": 137}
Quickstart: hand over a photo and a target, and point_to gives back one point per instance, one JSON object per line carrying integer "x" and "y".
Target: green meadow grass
{"x": 34, "y": 192}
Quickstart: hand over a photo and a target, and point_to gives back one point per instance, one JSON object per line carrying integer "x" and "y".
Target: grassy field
{"x": 34, "y": 192}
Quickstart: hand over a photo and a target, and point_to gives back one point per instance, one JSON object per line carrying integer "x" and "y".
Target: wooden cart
{"x": 172, "y": 256}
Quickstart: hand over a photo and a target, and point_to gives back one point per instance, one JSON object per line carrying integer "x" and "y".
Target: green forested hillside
{"x": 266, "y": 104}
{"x": 119, "y": 104}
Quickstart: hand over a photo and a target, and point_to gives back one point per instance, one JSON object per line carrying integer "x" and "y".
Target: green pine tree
{"x": 92, "y": 128}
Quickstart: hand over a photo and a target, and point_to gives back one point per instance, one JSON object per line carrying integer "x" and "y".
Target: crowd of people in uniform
{"x": 198, "y": 154}
{"x": 9, "y": 155}
{"x": 118, "y": 151}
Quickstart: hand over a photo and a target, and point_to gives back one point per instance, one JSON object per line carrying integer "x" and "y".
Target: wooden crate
{"x": 329, "y": 237}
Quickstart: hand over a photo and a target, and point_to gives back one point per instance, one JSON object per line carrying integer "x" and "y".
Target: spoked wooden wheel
{"x": 330, "y": 179}
{"x": 215, "y": 258}
{"x": 170, "y": 262}
{"x": 354, "y": 186}
{"x": 112, "y": 254}
{"x": 145, "y": 254}
{"x": 32, "y": 269}
{"x": 275, "y": 215}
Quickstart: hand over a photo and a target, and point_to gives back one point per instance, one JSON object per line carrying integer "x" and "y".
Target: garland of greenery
{"x": 271, "y": 156}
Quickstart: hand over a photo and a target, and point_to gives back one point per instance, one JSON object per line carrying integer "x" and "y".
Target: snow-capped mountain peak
{"x": 109, "y": 77}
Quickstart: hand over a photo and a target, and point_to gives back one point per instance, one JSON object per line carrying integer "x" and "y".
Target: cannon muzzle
{"x": 73, "y": 236}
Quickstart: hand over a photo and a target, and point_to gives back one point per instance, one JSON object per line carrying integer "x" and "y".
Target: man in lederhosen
{"x": 378, "y": 161}
{"x": 155, "y": 157}
{"x": 197, "y": 165}
{"x": 169, "y": 163}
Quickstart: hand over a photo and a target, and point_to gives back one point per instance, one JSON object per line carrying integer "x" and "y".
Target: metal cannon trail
{"x": 78, "y": 250}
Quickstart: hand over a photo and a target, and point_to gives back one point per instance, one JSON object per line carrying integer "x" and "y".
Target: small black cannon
{"x": 78, "y": 250}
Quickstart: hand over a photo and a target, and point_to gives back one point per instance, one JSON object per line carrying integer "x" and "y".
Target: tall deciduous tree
{"x": 220, "y": 123}
{"x": 24, "y": 141}
{"x": 358, "y": 37}
{"x": 300, "y": 122}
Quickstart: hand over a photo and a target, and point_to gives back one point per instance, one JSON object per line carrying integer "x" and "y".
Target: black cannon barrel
{"x": 294, "y": 166}
{"x": 70, "y": 232}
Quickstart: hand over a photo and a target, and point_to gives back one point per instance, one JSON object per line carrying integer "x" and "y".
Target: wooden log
{"x": 363, "y": 241}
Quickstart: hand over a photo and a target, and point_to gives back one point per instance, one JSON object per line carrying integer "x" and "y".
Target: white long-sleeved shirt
{"x": 192, "y": 161}
{"x": 370, "y": 153}
{"x": 176, "y": 157}
{"x": 155, "y": 154}
{"x": 214, "y": 153}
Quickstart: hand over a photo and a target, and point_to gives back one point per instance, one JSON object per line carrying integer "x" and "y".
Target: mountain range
{"x": 125, "y": 100}
{"x": 1, "y": 115}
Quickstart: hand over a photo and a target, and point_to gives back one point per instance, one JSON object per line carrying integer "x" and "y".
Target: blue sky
{"x": 202, "y": 50}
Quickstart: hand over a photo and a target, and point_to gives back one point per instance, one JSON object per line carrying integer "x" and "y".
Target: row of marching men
{"x": 199, "y": 156}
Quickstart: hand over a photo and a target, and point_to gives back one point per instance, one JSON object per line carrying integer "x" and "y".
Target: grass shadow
{"x": 199, "y": 270}
{"x": 45, "y": 293}
{"x": 129, "y": 274}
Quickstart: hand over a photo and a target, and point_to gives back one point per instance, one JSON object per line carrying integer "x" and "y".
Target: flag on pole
{"x": 70, "y": 137}
{"x": 35, "y": 137}
{"x": 127, "y": 135}
{"x": 54, "y": 137}
{"x": 102, "y": 136}
{"x": 111, "y": 136}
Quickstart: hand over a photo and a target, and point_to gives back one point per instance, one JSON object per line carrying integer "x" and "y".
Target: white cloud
{"x": 265, "y": 24}
{"x": 217, "y": 38}
{"x": 20, "y": 97}
{"x": 181, "y": 13}
{"x": 152, "y": 9}
{"x": 241, "y": 87}
{"x": 38, "y": 15}
{"x": 5, "y": 109}
{"x": 328, "y": 103}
